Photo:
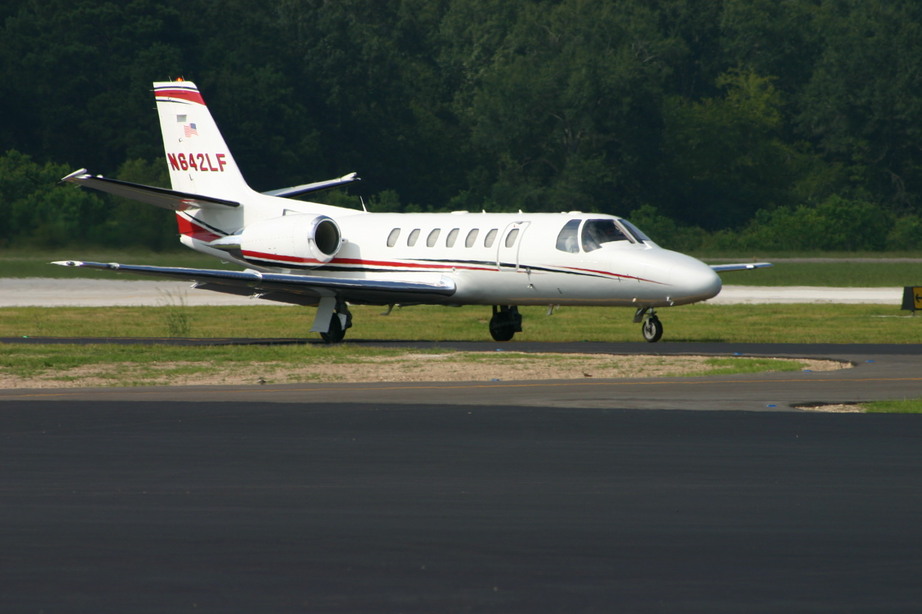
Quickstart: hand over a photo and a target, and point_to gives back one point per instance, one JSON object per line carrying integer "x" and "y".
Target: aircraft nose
{"x": 703, "y": 282}
{"x": 692, "y": 280}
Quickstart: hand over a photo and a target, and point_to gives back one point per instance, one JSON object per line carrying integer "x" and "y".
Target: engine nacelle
{"x": 298, "y": 240}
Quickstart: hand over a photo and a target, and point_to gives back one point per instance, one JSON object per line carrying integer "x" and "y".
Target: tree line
{"x": 776, "y": 124}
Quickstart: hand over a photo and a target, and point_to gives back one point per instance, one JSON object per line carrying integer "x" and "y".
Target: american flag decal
{"x": 189, "y": 130}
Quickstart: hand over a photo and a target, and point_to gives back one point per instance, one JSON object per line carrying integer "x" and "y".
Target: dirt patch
{"x": 460, "y": 366}
{"x": 833, "y": 408}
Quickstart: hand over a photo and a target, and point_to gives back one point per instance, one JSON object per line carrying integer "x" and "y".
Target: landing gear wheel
{"x": 336, "y": 333}
{"x": 652, "y": 329}
{"x": 340, "y": 321}
{"x": 504, "y": 332}
{"x": 505, "y": 323}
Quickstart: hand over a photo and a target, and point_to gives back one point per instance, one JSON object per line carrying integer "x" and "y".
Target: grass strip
{"x": 803, "y": 323}
{"x": 906, "y": 406}
{"x": 66, "y": 365}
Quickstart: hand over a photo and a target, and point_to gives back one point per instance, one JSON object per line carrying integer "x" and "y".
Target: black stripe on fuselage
{"x": 485, "y": 266}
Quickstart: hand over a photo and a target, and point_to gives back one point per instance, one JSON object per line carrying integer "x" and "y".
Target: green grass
{"x": 118, "y": 365}
{"x": 731, "y": 366}
{"x": 702, "y": 322}
{"x": 125, "y": 365}
{"x": 832, "y": 274}
{"x": 908, "y": 406}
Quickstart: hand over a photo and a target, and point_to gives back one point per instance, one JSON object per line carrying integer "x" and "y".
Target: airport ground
{"x": 664, "y": 495}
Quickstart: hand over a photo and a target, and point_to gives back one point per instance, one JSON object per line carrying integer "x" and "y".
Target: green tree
{"x": 863, "y": 103}
{"x": 567, "y": 111}
{"x": 726, "y": 155}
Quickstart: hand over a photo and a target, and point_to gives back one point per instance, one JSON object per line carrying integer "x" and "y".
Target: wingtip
{"x": 76, "y": 175}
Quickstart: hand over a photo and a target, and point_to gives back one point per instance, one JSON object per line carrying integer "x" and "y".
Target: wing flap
{"x": 295, "y": 289}
{"x": 159, "y": 197}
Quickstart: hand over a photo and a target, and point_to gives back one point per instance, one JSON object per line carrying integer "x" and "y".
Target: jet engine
{"x": 296, "y": 240}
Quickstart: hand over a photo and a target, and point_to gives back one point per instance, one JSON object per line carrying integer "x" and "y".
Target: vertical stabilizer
{"x": 197, "y": 156}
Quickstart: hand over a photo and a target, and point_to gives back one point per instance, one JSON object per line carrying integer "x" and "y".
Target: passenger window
{"x": 511, "y": 237}
{"x": 491, "y": 236}
{"x": 567, "y": 240}
{"x": 452, "y": 237}
{"x": 411, "y": 240}
{"x": 392, "y": 238}
{"x": 471, "y": 238}
{"x": 597, "y": 232}
{"x": 433, "y": 237}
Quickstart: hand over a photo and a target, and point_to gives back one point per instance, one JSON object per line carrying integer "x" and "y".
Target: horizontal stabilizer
{"x": 307, "y": 188}
{"x": 743, "y": 266}
{"x": 286, "y": 288}
{"x": 160, "y": 197}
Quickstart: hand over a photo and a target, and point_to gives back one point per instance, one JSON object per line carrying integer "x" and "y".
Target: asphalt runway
{"x": 483, "y": 497}
{"x": 317, "y": 506}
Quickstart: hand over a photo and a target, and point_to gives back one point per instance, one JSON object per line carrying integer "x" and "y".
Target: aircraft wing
{"x": 743, "y": 266}
{"x": 160, "y": 197}
{"x": 284, "y": 288}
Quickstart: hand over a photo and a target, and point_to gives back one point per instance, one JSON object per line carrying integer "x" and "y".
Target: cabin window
{"x": 597, "y": 232}
{"x": 392, "y": 238}
{"x": 452, "y": 237}
{"x": 411, "y": 240}
{"x": 567, "y": 240}
{"x": 511, "y": 237}
{"x": 491, "y": 236}
{"x": 471, "y": 238}
{"x": 433, "y": 237}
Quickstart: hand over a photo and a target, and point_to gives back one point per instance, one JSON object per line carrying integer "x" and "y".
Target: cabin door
{"x": 509, "y": 247}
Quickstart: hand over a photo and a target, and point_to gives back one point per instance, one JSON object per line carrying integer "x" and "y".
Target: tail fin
{"x": 198, "y": 158}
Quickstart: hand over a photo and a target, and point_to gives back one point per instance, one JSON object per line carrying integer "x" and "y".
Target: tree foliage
{"x": 721, "y": 116}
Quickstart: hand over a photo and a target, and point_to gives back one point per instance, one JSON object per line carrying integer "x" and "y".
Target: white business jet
{"x": 307, "y": 253}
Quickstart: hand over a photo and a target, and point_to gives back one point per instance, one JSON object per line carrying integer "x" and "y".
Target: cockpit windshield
{"x": 597, "y": 232}
{"x": 635, "y": 231}
{"x": 592, "y": 234}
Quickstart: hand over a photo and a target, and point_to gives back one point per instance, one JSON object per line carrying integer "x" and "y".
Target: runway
{"x": 318, "y": 506}
{"x": 482, "y": 497}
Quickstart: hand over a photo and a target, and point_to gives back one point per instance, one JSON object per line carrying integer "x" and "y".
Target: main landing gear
{"x": 505, "y": 323}
{"x": 651, "y": 328}
{"x": 339, "y": 322}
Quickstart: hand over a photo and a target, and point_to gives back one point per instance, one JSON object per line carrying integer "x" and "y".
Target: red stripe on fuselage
{"x": 360, "y": 262}
{"x": 610, "y": 274}
{"x": 181, "y": 94}
{"x": 190, "y": 229}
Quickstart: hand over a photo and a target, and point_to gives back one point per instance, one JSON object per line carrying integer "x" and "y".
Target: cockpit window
{"x": 567, "y": 240}
{"x": 634, "y": 230}
{"x": 597, "y": 232}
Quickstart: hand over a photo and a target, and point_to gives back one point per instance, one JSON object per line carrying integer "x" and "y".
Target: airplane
{"x": 312, "y": 254}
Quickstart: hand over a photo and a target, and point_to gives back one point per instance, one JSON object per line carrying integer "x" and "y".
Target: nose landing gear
{"x": 651, "y": 328}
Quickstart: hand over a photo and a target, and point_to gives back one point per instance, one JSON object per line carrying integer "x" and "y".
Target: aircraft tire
{"x": 336, "y": 332}
{"x": 652, "y": 329}
{"x": 503, "y": 332}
